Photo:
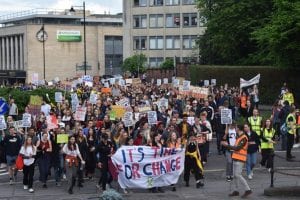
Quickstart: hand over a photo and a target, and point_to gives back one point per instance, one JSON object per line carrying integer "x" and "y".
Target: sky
{"x": 95, "y": 6}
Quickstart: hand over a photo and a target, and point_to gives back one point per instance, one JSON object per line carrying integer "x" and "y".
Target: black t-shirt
{"x": 12, "y": 145}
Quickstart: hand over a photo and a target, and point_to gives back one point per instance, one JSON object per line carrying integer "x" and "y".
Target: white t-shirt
{"x": 29, "y": 151}
{"x": 69, "y": 152}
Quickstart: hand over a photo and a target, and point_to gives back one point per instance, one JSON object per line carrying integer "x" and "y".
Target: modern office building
{"x": 58, "y": 51}
{"x": 161, "y": 29}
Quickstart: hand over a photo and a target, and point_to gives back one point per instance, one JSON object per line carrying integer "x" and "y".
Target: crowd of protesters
{"x": 93, "y": 141}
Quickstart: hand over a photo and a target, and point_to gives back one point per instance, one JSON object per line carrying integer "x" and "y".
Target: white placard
{"x": 58, "y": 97}
{"x": 186, "y": 85}
{"x": 158, "y": 82}
{"x": 213, "y": 82}
{"x": 88, "y": 83}
{"x": 93, "y": 98}
{"x": 206, "y": 82}
{"x": 152, "y": 117}
{"x": 128, "y": 119}
{"x": 176, "y": 82}
{"x": 226, "y": 116}
{"x": 191, "y": 120}
{"x": 26, "y": 120}
{"x": 80, "y": 113}
{"x": 163, "y": 102}
{"x": 2, "y": 122}
{"x": 112, "y": 81}
{"x": 166, "y": 81}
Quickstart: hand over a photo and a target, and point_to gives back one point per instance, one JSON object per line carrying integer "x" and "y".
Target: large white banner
{"x": 147, "y": 167}
{"x": 253, "y": 81}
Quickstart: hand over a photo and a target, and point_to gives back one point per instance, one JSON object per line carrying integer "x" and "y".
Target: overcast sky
{"x": 95, "y": 6}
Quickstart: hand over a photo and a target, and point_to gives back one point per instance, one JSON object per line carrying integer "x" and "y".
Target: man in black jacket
{"x": 12, "y": 145}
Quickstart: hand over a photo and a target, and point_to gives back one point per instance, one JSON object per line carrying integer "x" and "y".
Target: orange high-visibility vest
{"x": 241, "y": 155}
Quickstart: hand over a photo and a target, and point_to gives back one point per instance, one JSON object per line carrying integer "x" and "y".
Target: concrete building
{"x": 21, "y": 45}
{"x": 161, "y": 29}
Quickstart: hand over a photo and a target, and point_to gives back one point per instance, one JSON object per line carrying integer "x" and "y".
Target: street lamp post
{"x": 84, "y": 34}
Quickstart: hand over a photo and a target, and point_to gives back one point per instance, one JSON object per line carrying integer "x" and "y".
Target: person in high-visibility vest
{"x": 255, "y": 122}
{"x": 239, "y": 157}
{"x": 267, "y": 145}
{"x": 288, "y": 96}
{"x": 291, "y": 135}
{"x": 298, "y": 127}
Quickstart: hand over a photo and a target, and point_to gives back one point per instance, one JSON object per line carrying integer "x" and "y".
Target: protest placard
{"x": 26, "y": 120}
{"x": 213, "y": 82}
{"x": 163, "y": 102}
{"x": 112, "y": 81}
{"x": 62, "y": 138}
{"x": 18, "y": 124}
{"x": 2, "y": 122}
{"x": 199, "y": 92}
{"x": 136, "y": 81}
{"x": 206, "y": 82}
{"x": 87, "y": 78}
{"x": 186, "y": 85}
{"x": 166, "y": 81}
{"x": 158, "y": 82}
{"x": 191, "y": 120}
{"x": 144, "y": 109}
{"x": 112, "y": 115}
{"x": 58, "y": 97}
{"x": 123, "y": 102}
{"x": 88, "y": 83}
{"x": 52, "y": 122}
{"x": 93, "y": 98}
{"x": 128, "y": 81}
{"x": 35, "y": 78}
{"x": 152, "y": 117}
{"x": 176, "y": 83}
{"x": 148, "y": 167}
{"x": 128, "y": 119}
{"x": 105, "y": 90}
{"x": 119, "y": 110}
{"x": 226, "y": 116}
{"x": 74, "y": 97}
{"x": 80, "y": 113}
{"x": 35, "y": 103}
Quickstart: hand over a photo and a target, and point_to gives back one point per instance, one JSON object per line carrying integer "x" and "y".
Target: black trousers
{"x": 28, "y": 172}
{"x": 191, "y": 164}
{"x": 267, "y": 157}
{"x": 105, "y": 178}
{"x": 290, "y": 143}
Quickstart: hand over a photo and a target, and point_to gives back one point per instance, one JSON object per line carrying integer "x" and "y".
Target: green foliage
{"x": 279, "y": 40}
{"x": 167, "y": 64}
{"x": 135, "y": 63}
{"x": 22, "y": 97}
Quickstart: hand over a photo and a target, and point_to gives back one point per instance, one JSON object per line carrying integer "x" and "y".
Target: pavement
{"x": 215, "y": 185}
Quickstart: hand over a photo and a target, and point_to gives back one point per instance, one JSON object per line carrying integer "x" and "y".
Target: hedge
{"x": 272, "y": 78}
{"x": 22, "y": 97}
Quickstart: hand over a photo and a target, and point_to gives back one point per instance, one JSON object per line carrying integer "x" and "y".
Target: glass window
{"x": 140, "y": 2}
{"x": 156, "y": 21}
{"x": 173, "y": 20}
{"x": 156, "y": 42}
{"x": 172, "y": 2}
{"x": 139, "y": 42}
{"x": 140, "y": 21}
{"x": 188, "y": 2}
{"x": 189, "y": 41}
{"x": 189, "y": 19}
{"x": 156, "y": 2}
{"x": 155, "y": 61}
{"x": 172, "y": 42}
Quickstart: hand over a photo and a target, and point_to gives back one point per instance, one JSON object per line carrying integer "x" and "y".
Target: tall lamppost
{"x": 84, "y": 34}
{"x": 42, "y": 37}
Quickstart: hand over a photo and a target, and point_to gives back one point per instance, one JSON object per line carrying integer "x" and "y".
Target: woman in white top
{"x": 230, "y": 136}
{"x": 28, "y": 152}
{"x": 72, "y": 154}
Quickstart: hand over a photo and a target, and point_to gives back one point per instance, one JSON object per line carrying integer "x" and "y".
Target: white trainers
{"x": 64, "y": 177}
{"x": 11, "y": 182}
{"x": 25, "y": 187}
{"x": 250, "y": 177}
{"x": 31, "y": 190}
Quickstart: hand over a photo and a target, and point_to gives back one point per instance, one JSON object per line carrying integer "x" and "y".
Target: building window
{"x": 156, "y": 3}
{"x": 139, "y": 42}
{"x": 140, "y": 21}
{"x": 172, "y": 2}
{"x": 188, "y": 2}
{"x": 156, "y": 21}
{"x": 155, "y": 61}
{"x": 173, "y": 20}
{"x": 156, "y": 42}
{"x": 189, "y": 59}
{"x": 189, "y": 41}
{"x": 140, "y": 2}
{"x": 172, "y": 42}
{"x": 189, "y": 19}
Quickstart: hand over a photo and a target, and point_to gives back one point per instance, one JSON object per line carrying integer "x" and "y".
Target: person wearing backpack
{"x": 291, "y": 133}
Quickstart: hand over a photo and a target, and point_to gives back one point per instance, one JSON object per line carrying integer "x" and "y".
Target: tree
{"x": 135, "y": 64}
{"x": 230, "y": 23}
{"x": 168, "y": 64}
{"x": 279, "y": 40}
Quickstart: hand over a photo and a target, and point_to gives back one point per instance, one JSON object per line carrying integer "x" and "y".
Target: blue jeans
{"x": 251, "y": 161}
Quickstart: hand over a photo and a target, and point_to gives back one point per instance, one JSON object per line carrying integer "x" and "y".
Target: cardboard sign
{"x": 166, "y": 81}
{"x": 2, "y": 122}
{"x": 128, "y": 119}
{"x": 186, "y": 85}
{"x": 58, "y": 97}
{"x": 152, "y": 117}
{"x": 52, "y": 122}
{"x": 80, "y": 113}
{"x": 93, "y": 98}
{"x": 26, "y": 120}
{"x": 158, "y": 82}
{"x": 119, "y": 110}
{"x": 62, "y": 138}
{"x": 136, "y": 81}
{"x": 105, "y": 90}
{"x": 199, "y": 92}
{"x": 226, "y": 116}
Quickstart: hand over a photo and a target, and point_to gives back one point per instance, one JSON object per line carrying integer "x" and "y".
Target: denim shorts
{"x": 11, "y": 160}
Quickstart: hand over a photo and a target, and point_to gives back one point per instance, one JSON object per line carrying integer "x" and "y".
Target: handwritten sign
{"x": 80, "y": 113}
{"x": 163, "y": 102}
{"x": 128, "y": 119}
{"x": 176, "y": 83}
{"x": 152, "y": 117}
{"x": 52, "y": 122}
{"x": 158, "y": 82}
{"x": 93, "y": 98}
{"x": 186, "y": 85}
{"x": 166, "y": 81}
{"x": 26, "y": 120}
{"x": 148, "y": 167}
{"x": 58, "y": 97}
{"x": 62, "y": 138}
{"x": 226, "y": 116}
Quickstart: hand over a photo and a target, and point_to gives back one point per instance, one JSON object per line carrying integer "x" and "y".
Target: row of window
{"x": 157, "y": 61}
{"x": 172, "y": 20}
{"x": 143, "y": 3}
{"x": 170, "y": 42}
